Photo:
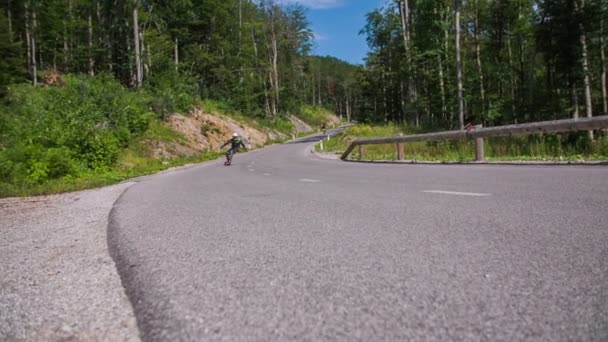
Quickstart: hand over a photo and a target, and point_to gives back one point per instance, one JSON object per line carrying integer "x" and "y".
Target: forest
{"x": 444, "y": 63}
{"x": 433, "y": 63}
{"x": 81, "y": 80}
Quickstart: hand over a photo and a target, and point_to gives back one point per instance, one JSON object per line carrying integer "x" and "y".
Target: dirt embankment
{"x": 299, "y": 125}
{"x": 207, "y": 132}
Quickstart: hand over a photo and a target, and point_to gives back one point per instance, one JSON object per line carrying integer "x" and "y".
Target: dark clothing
{"x": 236, "y": 144}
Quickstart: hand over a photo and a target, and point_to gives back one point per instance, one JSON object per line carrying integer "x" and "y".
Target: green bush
{"x": 314, "y": 116}
{"x": 171, "y": 92}
{"x": 50, "y": 132}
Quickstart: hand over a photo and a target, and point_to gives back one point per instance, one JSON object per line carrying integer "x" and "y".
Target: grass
{"x": 548, "y": 147}
{"x": 158, "y": 131}
{"x": 314, "y": 116}
{"x": 134, "y": 161}
{"x": 131, "y": 165}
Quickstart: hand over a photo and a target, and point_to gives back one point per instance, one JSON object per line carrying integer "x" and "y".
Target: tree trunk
{"x": 70, "y": 32}
{"x": 273, "y": 55}
{"x": 320, "y": 98}
{"x": 40, "y": 60}
{"x": 457, "y": 4}
{"x": 348, "y": 109}
{"x": 313, "y": 86}
{"x": 445, "y": 15}
{"x": 9, "y": 16}
{"x": 28, "y": 38}
{"x": 477, "y": 31}
{"x": 275, "y": 70}
{"x": 149, "y": 56}
{"x": 138, "y": 66}
{"x": 585, "y": 62}
{"x": 444, "y": 106}
{"x": 176, "y": 54}
{"x": 575, "y": 109}
{"x": 512, "y": 78}
{"x": 406, "y": 27}
{"x": 604, "y": 71}
{"x": 34, "y": 50}
{"x": 91, "y": 59}
{"x": 66, "y": 48}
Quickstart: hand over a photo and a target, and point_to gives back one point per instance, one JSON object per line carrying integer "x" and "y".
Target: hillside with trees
{"x": 82, "y": 81}
{"x": 444, "y": 63}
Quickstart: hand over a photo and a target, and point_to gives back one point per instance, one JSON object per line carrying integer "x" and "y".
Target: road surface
{"x": 284, "y": 245}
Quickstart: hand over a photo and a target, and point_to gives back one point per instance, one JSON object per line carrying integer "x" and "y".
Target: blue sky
{"x": 336, "y": 24}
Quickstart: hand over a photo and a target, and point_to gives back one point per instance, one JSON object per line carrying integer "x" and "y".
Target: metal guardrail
{"x": 568, "y": 125}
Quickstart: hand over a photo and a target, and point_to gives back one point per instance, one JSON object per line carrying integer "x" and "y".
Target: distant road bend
{"x": 285, "y": 245}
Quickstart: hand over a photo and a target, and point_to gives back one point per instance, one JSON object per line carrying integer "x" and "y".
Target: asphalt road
{"x": 284, "y": 245}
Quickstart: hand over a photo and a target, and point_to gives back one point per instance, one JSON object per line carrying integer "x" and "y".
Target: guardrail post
{"x": 400, "y": 151}
{"x": 479, "y": 147}
{"x": 361, "y": 152}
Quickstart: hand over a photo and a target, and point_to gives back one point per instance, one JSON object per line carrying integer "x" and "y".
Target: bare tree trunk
{"x": 442, "y": 87}
{"x": 66, "y": 49}
{"x": 604, "y": 71}
{"x": 138, "y": 66}
{"x": 70, "y": 32}
{"x": 457, "y": 4}
{"x": 273, "y": 54}
{"x": 477, "y": 32}
{"x": 512, "y": 78}
{"x": 149, "y": 56}
{"x": 319, "y": 90}
{"x": 10, "y": 19}
{"x": 406, "y": 28}
{"x": 28, "y": 38}
{"x": 313, "y": 86}
{"x": 348, "y": 109}
{"x": 262, "y": 78}
{"x": 448, "y": 114}
{"x": 585, "y": 61}
{"x": 402, "y": 96}
{"x": 91, "y": 59}
{"x": 176, "y": 54}
{"x": 575, "y": 109}
{"x": 275, "y": 70}
{"x": 40, "y": 61}
{"x": 33, "y": 38}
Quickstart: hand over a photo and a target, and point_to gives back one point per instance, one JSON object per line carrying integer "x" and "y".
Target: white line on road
{"x": 475, "y": 194}
{"x": 309, "y": 180}
{"x": 267, "y": 174}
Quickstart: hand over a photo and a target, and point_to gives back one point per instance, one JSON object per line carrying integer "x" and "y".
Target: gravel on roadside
{"x": 57, "y": 279}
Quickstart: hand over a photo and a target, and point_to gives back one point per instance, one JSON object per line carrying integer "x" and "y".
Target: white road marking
{"x": 474, "y": 194}
{"x": 309, "y": 180}
{"x": 251, "y": 170}
{"x": 267, "y": 174}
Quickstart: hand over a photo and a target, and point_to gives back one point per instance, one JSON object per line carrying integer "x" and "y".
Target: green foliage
{"x": 58, "y": 132}
{"x": 314, "y": 116}
{"x": 160, "y": 132}
{"x": 171, "y": 92}
{"x": 280, "y": 124}
{"x": 11, "y": 69}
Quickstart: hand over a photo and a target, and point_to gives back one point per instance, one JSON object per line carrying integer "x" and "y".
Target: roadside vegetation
{"x": 147, "y": 61}
{"x": 87, "y": 132}
{"x": 547, "y": 147}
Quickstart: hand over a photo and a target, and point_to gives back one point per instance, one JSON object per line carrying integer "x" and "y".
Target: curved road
{"x": 284, "y": 245}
